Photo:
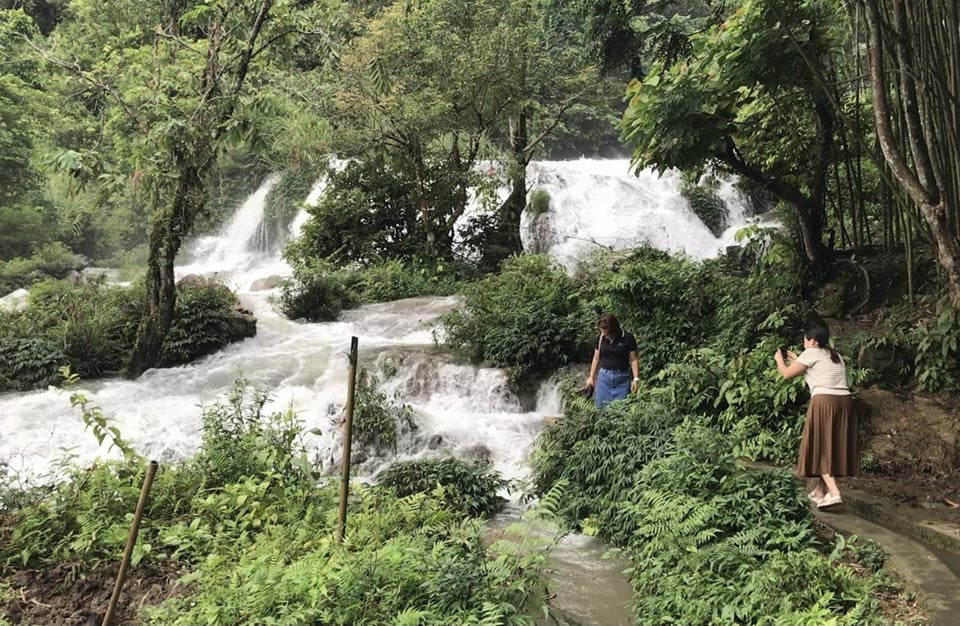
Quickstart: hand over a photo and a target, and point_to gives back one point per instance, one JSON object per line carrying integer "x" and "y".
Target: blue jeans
{"x": 611, "y": 385}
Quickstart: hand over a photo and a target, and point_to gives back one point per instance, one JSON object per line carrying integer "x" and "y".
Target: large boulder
{"x": 243, "y": 323}
{"x": 892, "y": 362}
{"x": 193, "y": 280}
{"x": 264, "y": 284}
{"x": 14, "y": 301}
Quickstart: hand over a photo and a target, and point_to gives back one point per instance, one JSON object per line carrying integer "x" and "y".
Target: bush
{"x": 597, "y": 454}
{"x": 255, "y": 523}
{"x": 378, "y": 421}
{"x": 201, "y": 324}
{"x": 470, "y": 487}
{"x": 51, "y": 261}
{"x": 710, "y": 542}
{"x": 316, "y": 293}
{"x": 539, "y": 201}
{"x": 282, "y": 203}
{"x": 28, "y": 362}
{"x": 92, "y": 328}
{"x": 664, "y": 301}
{"x": 395, "y": 280}
{"x": 705, "y": 202}
{"x": 528, "y": 318}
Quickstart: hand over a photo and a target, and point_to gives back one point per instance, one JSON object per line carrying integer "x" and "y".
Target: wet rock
{"x": 243, "y": 323}
{"x": 14, "y": 301}
{"x": 435, "y": 442}
{"x": 107, "y": 274}
{"x": 193, "y": 280}
{"x": 79, "y": 262}
{"x": 73, "y": 277}
{"x": 270, "y": 282}
{"x": 477, "y": 453}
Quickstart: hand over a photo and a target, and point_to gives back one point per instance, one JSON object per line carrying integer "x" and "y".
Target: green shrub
{"x": 528, "y": 318}
{"x": 92, "y": 328}
{"x": 597, "y": 454}
{"x": 28, "y": 362}
{"x": 937, "y": 344}
{"x": 316, "y": 292}
{"x": 51, "y": 261}
{"x": 252, "y": 525}
{"x": 709, "y": 541}
{"x": 282, "y": 203}
{"x": 378, "y": 421}
{"x": 539, "y": 201}
{"x": 705, "y": 202}
{"x": 240, "y": 439}
{"x": 395, "y": 280}
{"x": 201, "y": 323}
{"x": 664, "y": 301}
{"x": 471, "y": 487}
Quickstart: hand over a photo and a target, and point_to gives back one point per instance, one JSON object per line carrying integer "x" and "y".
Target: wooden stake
{"x": 347, "y": 439}
{"x": 131, "y": 541}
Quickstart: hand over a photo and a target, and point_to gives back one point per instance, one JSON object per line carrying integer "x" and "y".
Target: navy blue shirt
{"x": 614, "y": 354}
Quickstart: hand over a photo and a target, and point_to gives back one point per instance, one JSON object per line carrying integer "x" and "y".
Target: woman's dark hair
{"x": 821, "y": 335}
{"x": 608, "y": 322}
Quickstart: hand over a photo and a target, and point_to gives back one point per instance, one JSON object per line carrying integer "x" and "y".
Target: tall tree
{"x": 549, "y": 74}
{"x": 174, "y": 95}
{"x": 749, "y": 99}
{"x": 914, "y": 62}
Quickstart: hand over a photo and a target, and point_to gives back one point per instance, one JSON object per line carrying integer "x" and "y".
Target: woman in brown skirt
{"x": 828, "y": 446}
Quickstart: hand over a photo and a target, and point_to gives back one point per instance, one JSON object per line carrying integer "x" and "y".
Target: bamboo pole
{"x": 131, "y": 541}
{"x": 347, "y": 440}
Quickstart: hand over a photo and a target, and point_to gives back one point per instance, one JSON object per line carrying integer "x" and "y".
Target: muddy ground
{"x": 67, "y": 597}
{"x": 911, "y": 448}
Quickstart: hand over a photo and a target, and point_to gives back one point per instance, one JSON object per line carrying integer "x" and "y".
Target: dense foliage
{"x": 709, "y": 540}
{"x": 91, "y": 326}
{"x": 318, "y": 290}
{"x": 470, "y": 487}
{"x": 252, "y": 522}
{"x": 529, "y": 318}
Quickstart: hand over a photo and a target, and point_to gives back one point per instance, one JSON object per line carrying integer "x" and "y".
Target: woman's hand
{"x": 791, "y": 357}
{"x": 778, "y": 357}
{"x": 590, "y": 381}
{"x": 633, "y": 386}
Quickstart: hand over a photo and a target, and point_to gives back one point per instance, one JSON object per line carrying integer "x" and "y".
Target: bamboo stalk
{"x": 131, "y": 541}
{"x": 347, "y": 440}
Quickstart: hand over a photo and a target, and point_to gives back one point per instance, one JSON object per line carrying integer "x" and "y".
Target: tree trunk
{"x": 921, "y": 185}
{"x": 809, "y": 212}
{"x": 167, "y": 234}
{"x": 516, "y": 202}
{"x": 194, "y": 161}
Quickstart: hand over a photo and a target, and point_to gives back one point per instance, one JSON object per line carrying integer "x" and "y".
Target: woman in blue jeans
{"x": 616, "y": 358}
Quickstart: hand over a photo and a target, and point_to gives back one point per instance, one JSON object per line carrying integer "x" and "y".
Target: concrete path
{"x": 920, "y": 567}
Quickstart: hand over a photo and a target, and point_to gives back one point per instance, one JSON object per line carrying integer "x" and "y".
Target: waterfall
{"x": 600, "y": 204}
{"x": 462, "y": 408}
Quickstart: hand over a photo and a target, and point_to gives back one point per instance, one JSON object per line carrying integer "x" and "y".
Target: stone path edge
{"x": 908, "y": 522}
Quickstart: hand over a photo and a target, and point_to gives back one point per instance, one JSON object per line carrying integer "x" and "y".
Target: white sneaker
{"x": 813, "y": 497}
{"x": 829, "y": 500}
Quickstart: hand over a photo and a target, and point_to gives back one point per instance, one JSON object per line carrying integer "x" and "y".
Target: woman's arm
{"x": 794, "y": 369}
{"x": 635, "y": 368}
{"x": 593, "y": 366}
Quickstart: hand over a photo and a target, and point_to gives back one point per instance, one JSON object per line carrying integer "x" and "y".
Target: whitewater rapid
{"x": 303, "y": 366}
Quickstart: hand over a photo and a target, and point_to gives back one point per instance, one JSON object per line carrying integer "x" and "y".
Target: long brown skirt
{"x": 828, "y": 444}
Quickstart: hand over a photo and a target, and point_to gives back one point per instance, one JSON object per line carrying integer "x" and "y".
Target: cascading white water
{"x": 598, "y": 204}
{"x": 460, "y": 408}
{"x": 303, "y": 365}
